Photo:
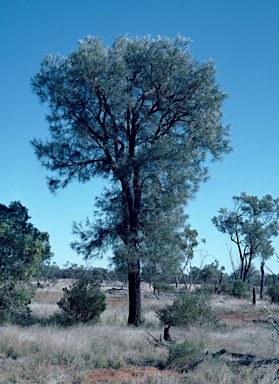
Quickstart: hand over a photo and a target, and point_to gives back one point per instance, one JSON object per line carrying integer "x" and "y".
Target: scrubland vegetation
{"x": 112, "y": 352}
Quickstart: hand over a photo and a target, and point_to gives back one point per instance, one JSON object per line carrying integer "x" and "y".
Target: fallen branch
{"x": 110, "y": 290}
{"x": 255, "y": 363}
{"x": 156, "y": 342}
{"x": 245, "y": 359}
{"x": 196, "y": 363}
{"x": 154, "y": 296}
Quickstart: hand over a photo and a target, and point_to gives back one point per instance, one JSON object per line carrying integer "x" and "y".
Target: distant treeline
{"x": 209, "y": 274}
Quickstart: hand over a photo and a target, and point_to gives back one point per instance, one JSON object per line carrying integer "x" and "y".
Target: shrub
{"x": 205, "y": 289}
{"x": 186, "y": 309}
{"x": 239, "y": 289}
{"x": 225, "y": 288}
{"x": 84, "y": 301}
{"x": 163, "y": 287}
{"x": 273, "y": 292}
{"x": 14, "y": 301}
{"x": 182, "y": 356}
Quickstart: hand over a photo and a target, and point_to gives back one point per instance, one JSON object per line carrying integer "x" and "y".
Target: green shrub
{"x": 163, "y": 287}
{"x": 273, "y": 292}
{"x": 225, "y": 288}
{"x": 205, "y": 289}
{"x": 182, "y": 356}
{"x": 83, "y": 301}
{"x": 14, "y": 301}
{"x": 187, "y": 309}
{"x": 239, "y": 289}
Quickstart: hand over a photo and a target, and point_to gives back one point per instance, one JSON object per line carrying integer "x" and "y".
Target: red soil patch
{"x": 116, "y": 301}
{"x": 129, "y": 375}
{"x": 239, "y": 318}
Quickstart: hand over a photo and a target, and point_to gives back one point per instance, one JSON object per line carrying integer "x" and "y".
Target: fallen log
{"x": 255, "y": 363}
{"x": 247, "y": 359}
{"x": 110, "y": 290}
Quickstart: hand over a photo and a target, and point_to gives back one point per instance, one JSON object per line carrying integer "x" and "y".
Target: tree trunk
{"x": 262, "y": 280}
{"x": 134, "y": 294}
{"x": 254, "y": 296}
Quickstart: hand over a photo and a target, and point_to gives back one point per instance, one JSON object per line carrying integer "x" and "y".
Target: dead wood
{"x": 150, "y": 294}
{"x": 196, "y": 363}
{"x": 156, "y": 342}
{"x": 246, "y": 359}
{"x": 255, "y": 363}
{"x": 111, "y": 290}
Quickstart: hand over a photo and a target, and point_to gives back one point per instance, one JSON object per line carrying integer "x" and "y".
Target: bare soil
{"x": 130, "y": 375}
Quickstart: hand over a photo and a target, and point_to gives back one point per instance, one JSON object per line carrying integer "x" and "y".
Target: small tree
{"x": 251, "y": 225}
{"x": 187, "y": 244}
{"x": 239, "y": 289}
{"x": 83, "y": 301}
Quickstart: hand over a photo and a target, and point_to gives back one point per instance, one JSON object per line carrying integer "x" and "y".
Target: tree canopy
{"x": 251, "y": 225}
{"x": 142, "y": 114}
{"x": 22, "y": 249}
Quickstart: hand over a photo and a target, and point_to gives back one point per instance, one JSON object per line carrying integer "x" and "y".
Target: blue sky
{"x": 241, "y": 36}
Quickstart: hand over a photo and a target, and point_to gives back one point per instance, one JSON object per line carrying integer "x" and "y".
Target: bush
{"x": 182, "y": 356}
{"x": 14, "y": 301}
{"x": 187, "y": 309}
{"x": 273, "y": 292}
{"x": 239, "y": 289}
{"x": 83, "y": 302}
{"x": 205, "y": 289}
{"x": 163, "y": 287}
{"x": 225, "y": 288}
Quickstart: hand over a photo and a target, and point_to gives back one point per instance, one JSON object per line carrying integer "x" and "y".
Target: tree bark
{"x": 254, "y": 296}
{"x": 262, "y": 280}
{"x": 134, "y": 317}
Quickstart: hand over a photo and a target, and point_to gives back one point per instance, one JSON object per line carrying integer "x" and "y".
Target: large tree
{"x": 142, "y": 114}
{"x": 251, "y": 225}
{"x": 23, "y": 249}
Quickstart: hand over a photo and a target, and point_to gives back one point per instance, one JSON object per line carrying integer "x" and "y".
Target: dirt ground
{"x": 132, "y": 375}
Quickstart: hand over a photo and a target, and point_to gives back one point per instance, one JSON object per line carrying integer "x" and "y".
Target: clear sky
{"x": 241, "y": 36}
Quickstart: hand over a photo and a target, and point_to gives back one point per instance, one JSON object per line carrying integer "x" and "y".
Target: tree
{"x": 187, "y": 244}
{"x": 251, "y": 225}
{"x": 143, "y": 115}
{"x": 23, "y": 248}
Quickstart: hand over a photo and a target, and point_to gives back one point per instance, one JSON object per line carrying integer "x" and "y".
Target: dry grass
{"x": 111, "y": 352}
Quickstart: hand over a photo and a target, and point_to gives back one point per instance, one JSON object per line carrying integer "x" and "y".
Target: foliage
{"x": 205, "y": 289}
{"x": 183, "y": 355}
{"x": 14, "y": 300}
{"x": 163, "y": 287}
{"x": 186, "y": 310}
{"x": 144, "y": 115}
{"x": 252, "y": 276}
{"x": 239, "y": 289}
{"x": 251, "y": 225}
{"x": 273, "y": 292}
{"x": 83, "y": 301}
{"x": 225, "y": 287}
{"x": 210, "y": 273}
{"x": 23, "y": 250}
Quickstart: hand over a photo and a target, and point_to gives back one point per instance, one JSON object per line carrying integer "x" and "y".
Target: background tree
{"x": 145, "y": 116}
{"x": 23, "y": 248}
{"x": 188, "y": 241}
{"x": 251, "y": 225}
